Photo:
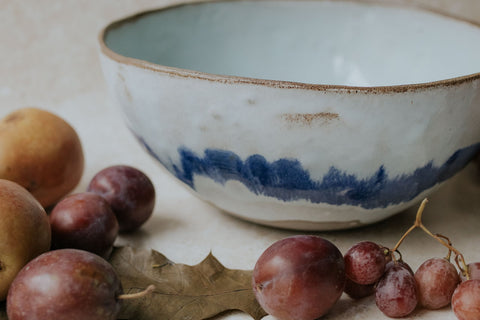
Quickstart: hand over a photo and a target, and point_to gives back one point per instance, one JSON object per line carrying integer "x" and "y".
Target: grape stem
{"x": 418, "y": 223}
{"x": 459, "y": 259}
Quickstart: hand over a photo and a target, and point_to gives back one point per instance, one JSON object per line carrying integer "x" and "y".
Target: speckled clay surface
{"x": 356, "y": 130}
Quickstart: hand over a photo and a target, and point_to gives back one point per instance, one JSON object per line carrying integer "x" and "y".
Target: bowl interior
{"x": 319, "y": 42}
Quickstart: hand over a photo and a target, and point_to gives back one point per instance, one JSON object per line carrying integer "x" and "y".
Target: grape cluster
{"x": 435, "y": 284}
{"x": 282, "y": 289}
{"x": 398, "y": 290}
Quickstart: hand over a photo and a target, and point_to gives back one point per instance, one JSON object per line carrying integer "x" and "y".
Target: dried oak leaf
{"x": 182, "y": 292}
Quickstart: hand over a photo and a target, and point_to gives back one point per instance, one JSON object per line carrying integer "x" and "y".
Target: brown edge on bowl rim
{"x": 226, "y": 79}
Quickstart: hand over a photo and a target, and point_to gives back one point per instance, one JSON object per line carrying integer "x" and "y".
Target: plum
{"x": 84, "y": 221}
{"x": 68, "y": 284}
{"x": 129, "y": 192}
{"x": 299, "y": 278}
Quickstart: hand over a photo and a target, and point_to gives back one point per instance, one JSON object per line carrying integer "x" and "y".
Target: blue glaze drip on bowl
{"x": 287, "y": 180}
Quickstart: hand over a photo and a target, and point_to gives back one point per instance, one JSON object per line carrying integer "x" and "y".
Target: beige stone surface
{"x": 49, "y": 59}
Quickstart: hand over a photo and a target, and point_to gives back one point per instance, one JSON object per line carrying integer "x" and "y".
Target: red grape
{"x": 365, "y": 262}
{"x": 473, "y": 270}
{"x": 436, "y": 280}
{"x": 358, "y": 291}
{"x": 396, "y": 292}
{"x": 401, "y": 263}
{"x": 129, "y": 192}
{"x": 84, "y": 221}
{"x": 466, "y": 300}
{"x": 299, "y": 277}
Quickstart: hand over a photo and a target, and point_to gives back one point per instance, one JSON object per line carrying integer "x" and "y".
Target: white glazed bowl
{"x": 310, "y": 115}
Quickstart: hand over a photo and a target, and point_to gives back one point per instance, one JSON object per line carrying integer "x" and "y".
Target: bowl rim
{"x": 285, "y": 84}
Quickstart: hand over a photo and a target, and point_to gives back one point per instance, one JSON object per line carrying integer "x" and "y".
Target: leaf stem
{"x": 141, "y": 294}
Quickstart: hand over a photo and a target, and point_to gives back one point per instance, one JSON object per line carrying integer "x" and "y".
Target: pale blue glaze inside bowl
{"x": 317, "y": 42}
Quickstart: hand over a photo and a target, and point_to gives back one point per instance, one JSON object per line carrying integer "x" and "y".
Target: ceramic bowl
{"x": 312, "y": 115}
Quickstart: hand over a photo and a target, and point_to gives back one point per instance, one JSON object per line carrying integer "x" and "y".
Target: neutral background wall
{"x": 49, "y": 59}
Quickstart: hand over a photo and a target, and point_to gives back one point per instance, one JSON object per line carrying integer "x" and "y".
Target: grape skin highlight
{"x": 466, "y": 300}
{"x": 396, "y": 292}
{"x": 365, "y": 262}
{"x": 436, "y": 279}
